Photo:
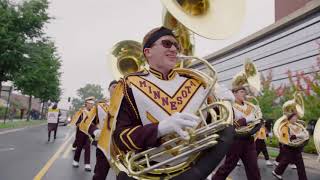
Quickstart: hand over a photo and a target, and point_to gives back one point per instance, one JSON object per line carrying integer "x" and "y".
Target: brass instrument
{"x": 217, "y": 20}
{"x": 126, "y": 57}
{"x": 206, "y": 18}
{"x": 316, "y": 137}
{"x": 250, "y": 79}
{"x": 213, "y": 19}
{"x": 139, "y": 166}
{"x": 184, "y": 37}
{"x": 296, "y": 105}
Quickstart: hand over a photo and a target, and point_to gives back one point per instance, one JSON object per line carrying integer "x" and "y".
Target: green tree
{"x": 39, "y": 76}
{"x": 87, "y": 91}
{"x": 20, "y": 24}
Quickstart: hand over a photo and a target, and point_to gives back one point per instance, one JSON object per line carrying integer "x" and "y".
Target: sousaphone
{"x": 126, "y": 57}
{"x": 212, "y": 19}
{"x": 250, "y": 79}
{"x": 296, "y": 105}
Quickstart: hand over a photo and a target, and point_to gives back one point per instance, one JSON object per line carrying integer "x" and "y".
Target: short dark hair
{"x": 112, "y": 83}
{"x": 235, "y": 90}
{"x": 55, "y": 106}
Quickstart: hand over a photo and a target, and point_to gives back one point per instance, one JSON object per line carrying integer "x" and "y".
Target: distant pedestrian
{"x": 53, "y": 119}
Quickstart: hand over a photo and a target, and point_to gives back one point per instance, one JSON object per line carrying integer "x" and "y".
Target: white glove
{"x": 250, "y": 118}
{"x": 176, "y": 123}
{"x": 222, "y": 92}
{"x": 96, "y": 134}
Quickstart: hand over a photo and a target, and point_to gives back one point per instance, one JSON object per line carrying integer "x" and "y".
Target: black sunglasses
{"x": 168, "y": 44}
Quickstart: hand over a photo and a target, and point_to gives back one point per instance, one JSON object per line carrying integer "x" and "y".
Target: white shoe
{"x": 276, "y": 163}
{"x": 268, "y": 163}
{"x": 293, "y": 166}
{"x": 87, "y": 167}
{"x": 74, "y": 148}
{"x": 75, "y": 164}
{"x": 276, "y": 175}
{"x": 238, "y": 163}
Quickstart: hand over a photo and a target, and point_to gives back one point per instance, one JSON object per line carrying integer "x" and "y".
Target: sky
{"x": 84, "y": 31}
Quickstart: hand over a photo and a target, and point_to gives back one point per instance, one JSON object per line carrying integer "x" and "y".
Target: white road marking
{"x": 6, "y": 149}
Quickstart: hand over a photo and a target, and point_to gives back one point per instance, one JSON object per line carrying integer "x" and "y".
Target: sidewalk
{"x": 310, "y": 160}
{"x": 18, "y": 124}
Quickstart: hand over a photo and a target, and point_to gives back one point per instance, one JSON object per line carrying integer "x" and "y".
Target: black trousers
{"x": 74, "y": 144}
{"x": 52, "y": 127}
{"x": 245, "y": 150}
{"x": 291, "y": 155}
{"x": 278, "y": 158}
{"x": 83, "y": 142}
{"x": 102, "y": 166}
{"x": 262, "y": 147}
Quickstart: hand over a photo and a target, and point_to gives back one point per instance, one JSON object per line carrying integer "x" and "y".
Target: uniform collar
{"x": 241, "y": 104}
{"x": 159, "y": 75}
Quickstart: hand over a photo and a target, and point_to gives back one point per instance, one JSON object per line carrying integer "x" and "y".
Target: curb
{"x": 5, "y": 131}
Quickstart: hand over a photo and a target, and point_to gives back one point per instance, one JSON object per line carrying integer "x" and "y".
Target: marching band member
{"x": 161, "y": 101}
{"x": 260, "y": 141}
{"x": 290, "y": 131}
{"x": 83, "y": 141}
{"x": 102, "y": 166}
{"x": 243, "y": 147}
{"x": 74, "y": 119}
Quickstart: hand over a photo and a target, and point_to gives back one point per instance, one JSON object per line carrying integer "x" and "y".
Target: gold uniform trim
{"x": 159, "y": 75}
{"x": 85, "y": 124}
{"x": 104, "y": 143}
{"x": 123, "y": 141}
{"x": 151, "y": 118}
{"x": 75, "y": 117}
{"x": 261, "y": 134}
{"x": 53, "y": 110}
{"x": 130, "y": 140}
{"x": 246, "y": 111}
{"x": 170, "y": 104}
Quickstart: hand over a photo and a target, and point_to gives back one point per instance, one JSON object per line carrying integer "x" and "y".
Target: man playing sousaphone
{"x": 293, "y": 136}
{"x": 162, "y": 101}
{"x": 243, "y": 146}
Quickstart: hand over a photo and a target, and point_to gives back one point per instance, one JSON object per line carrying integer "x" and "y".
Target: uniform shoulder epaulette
{"x": 189, "y": 73}
{"x": 139, "y": 73}
{"x": 125, "y": 80}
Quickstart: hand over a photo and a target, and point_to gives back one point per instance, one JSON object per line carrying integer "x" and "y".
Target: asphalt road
{"x": 26, "y": 154}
